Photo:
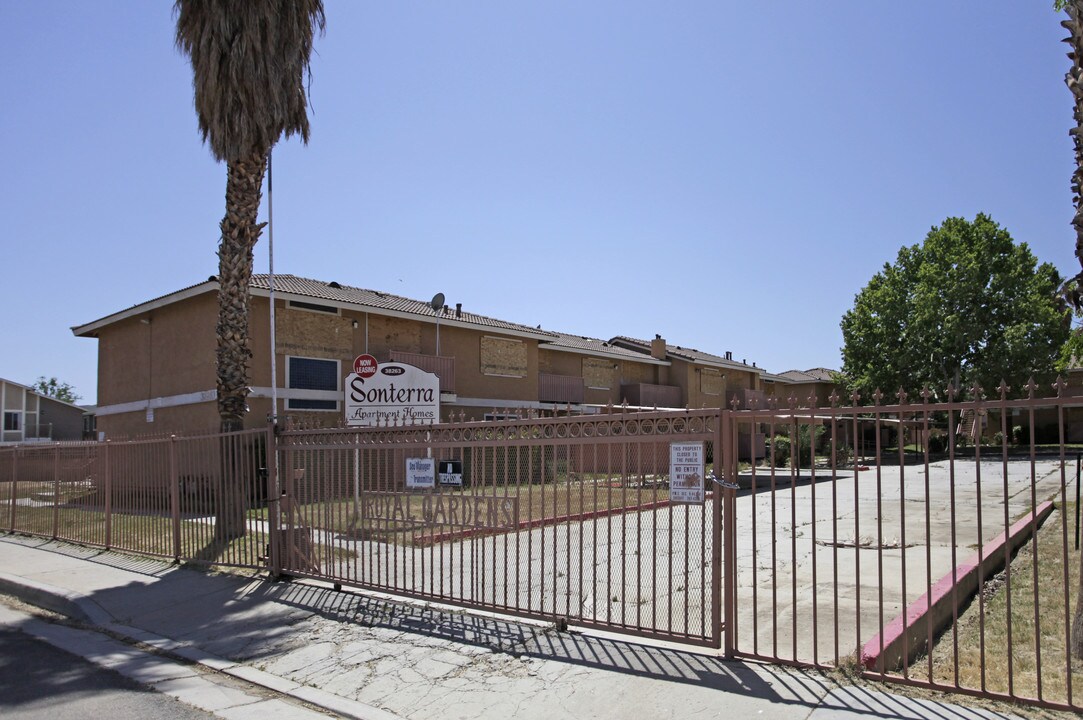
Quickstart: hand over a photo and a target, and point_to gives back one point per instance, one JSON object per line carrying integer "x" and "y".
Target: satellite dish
{"x": 437, "y": 301}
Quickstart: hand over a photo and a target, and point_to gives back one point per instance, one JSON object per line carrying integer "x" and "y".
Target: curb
{"x": 905, "y": 637}
{"x": 75, "y": 605}
{"x": 82, "y": 608}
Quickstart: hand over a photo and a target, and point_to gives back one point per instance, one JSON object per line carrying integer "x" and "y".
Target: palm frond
{"x": 250, "y": 60}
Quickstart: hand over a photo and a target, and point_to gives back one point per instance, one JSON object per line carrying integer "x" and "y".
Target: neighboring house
{"x": 803, "y": 386}
{"x": 29, "y": 416}
{"x": 156, "y": 360}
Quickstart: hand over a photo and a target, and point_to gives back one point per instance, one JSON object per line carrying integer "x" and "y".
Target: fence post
{"x": 14, "y": 484}
{"x": 108, "y": 498}
{"x": 717, "y": 624}
{"x": 56, "y": 490}
{"x": 174, "y": 498}
{"x": 729, "y": 527}
{"x": 274, "y": 516}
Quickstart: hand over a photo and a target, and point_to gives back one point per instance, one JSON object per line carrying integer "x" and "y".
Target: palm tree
{"x": 1074, "y": 288}
{"x": 1074, "y": 80}
{"x": 249, "y": 61}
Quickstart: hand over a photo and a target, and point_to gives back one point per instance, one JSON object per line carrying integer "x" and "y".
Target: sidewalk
{"x": 368, "y": 657}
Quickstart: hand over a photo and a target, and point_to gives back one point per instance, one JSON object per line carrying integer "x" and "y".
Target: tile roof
{"x": 823, "y": 375}
{"x": 589, "y": 344}
{"x": 335, "y": 292}
{"x": 689, "y": 354}
{"x": 327, "y": 291}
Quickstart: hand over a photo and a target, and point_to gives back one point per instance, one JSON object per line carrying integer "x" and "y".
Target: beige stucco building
{"x": 156, "y": 360}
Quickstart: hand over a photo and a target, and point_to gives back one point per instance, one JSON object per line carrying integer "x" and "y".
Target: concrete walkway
{"x": 360, "y": 656}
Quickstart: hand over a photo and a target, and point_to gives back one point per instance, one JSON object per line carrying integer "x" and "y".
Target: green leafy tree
{"x": 966, "y": 306}
{"x": 249, "y": 61}
{"x": 56, "y": 389}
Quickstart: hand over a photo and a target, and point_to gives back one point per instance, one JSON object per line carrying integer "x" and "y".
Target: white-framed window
{"x": 317, "y": 374}
{"x": 13, "y": 421}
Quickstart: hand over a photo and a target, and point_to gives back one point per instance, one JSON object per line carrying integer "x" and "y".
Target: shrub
{"x": 778, "y": 449}
{"x": 938, "y": 442}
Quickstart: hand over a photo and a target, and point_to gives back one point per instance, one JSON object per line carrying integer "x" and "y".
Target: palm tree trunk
{"x": 240, "y": 231}
{"x": 1074, "y": 80}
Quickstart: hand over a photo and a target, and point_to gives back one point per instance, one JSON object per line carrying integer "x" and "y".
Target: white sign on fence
{"x": 420, "y": 473}
{"x": 686, "y": 471}
{"x": 391, "y": 394}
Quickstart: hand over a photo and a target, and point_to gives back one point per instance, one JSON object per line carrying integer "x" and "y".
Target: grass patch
{"x": 150, "y": 534}
{"x": 1035, "y": 633}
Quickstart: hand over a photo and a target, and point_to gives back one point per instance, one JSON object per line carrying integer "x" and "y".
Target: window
{"x": 312, "y": 374}
{"x": 12, "y": 421}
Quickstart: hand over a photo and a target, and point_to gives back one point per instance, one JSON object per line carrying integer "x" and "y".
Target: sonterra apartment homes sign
{"x": 390, "y": 394}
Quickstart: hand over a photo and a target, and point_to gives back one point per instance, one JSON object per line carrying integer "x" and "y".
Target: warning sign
{"x": 686, "y": 471}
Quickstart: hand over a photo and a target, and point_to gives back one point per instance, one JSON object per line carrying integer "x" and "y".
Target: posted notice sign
{"x": 420, "y": 473}
{"x": 686, "y": 471}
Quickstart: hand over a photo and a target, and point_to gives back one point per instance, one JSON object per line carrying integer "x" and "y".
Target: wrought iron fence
{"x": 924, "y": 543}
{"x": 932, "y": 543}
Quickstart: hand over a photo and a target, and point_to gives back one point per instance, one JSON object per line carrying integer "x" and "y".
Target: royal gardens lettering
{"x": 485, "y": 512}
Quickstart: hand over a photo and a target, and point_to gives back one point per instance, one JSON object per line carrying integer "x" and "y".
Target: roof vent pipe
{"x": 458, "y": 310}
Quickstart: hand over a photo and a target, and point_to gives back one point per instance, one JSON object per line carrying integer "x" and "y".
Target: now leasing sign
{"x": 390, "y": 394}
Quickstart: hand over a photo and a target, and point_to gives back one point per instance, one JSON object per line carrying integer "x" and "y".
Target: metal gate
{"x": 566, "y": 519}
{"x": 919, "y": 543}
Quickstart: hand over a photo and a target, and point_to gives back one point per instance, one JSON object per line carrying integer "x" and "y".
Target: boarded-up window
{"x": 740, "y": 381}
{"x": 307, "y": 333}
{"x": 597, "y": 373}
{"x": 710, "y": 381}
{"x": 503, "y": 357}
{"x": 634, "y": 372}
{"x": 387, "y": 333}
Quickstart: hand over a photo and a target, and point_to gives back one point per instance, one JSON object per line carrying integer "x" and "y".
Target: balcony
{"x": 442, "y": 367}
{"x": 560, "y": 388}
{"x": 646, "y": 395}
{"x": 746, "y": 399}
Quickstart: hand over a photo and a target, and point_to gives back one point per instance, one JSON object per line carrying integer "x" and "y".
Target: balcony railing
{"x": 442, "y": 367}
{"x": 560, "y": 388}
{"x": 646, "y": 395}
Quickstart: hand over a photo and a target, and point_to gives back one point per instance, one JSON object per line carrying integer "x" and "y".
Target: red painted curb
{"x": 884, "y": 652}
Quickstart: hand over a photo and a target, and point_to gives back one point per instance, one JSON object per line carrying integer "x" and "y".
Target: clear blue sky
{"x": 728, "y": 174}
